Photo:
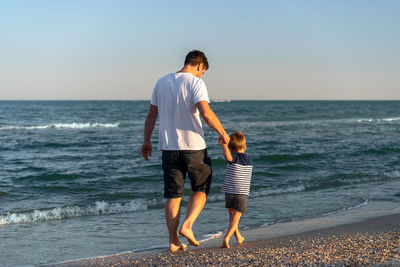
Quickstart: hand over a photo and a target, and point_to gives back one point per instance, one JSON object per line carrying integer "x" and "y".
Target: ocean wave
{"x": 277, "y": 191}
{"x": 287, "y": 157}
{"x": 339, "y": 180}
{"x": 60, "y": 213}
{"x": 209, "y": 237}
{"x": 259, "y": 193}
{"x": 216, "y": 197}
{"x": 379, "y": 120}
{"x": 333, "y": 181}
{"x": 393, "y": 174}
{"x": 308, "y": 122}
{"x": 73, "y": 125}
{"x": 376, "y": 151}
{"x": 362, "y": 204}
{"x": 48, "y": 177}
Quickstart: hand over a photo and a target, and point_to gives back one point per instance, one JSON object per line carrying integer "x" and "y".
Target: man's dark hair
{"x": 196, "y": 57}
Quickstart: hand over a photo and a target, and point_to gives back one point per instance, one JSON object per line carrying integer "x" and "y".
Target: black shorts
{"x": 176, "y": 163}
{"x": 237, "y": 202}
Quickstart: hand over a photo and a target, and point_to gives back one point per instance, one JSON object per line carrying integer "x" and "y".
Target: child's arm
{"x": 225, "y": 150}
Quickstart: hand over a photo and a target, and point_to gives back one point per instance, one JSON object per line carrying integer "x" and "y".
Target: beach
{"x": 368, "y": 242}
{"x": 73, "y": 184}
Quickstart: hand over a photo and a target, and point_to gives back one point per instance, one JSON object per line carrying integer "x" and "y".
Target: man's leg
{"x": 200, "y": 174}
{"x": 195, "y": 206}
{"x": 172, "y": 215}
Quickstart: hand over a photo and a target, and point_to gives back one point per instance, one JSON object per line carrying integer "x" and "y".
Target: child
{"x": 237, "y": 183}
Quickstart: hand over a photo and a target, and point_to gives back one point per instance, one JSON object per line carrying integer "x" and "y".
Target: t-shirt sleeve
{"x": 200, "y": 92}
{"x": 154, "y": 96}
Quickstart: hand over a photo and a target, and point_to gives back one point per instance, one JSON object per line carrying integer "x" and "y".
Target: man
{"x": 179, "y": 99}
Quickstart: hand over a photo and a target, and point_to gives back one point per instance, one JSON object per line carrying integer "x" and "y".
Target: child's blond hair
{"x": 237, "y": 142}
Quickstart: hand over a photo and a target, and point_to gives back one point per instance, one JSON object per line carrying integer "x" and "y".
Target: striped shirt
{"x": 238, "y": 175}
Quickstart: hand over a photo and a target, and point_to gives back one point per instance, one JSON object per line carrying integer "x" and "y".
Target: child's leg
{"x": 233, "y": 225}
{"x": 238, "y": 236}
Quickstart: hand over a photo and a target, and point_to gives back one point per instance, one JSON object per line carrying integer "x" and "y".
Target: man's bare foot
{"x": 189, "y": 235}
{"x": 175, "y": 248}
{"x": 225, "y": 243}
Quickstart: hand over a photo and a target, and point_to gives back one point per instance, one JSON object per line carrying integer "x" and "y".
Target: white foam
{"x": 365, "y": 203}
{"x": 379, "y": 120}
{"x": 311, "y": 122}
{"x": 73, "y": 125}
{"x": 393, "y": 174}
{"x": 59, "y": 213}
{"x": 216, "y": 197}
{"x": 211, "y": 237}
{"x": 267, "y": 224}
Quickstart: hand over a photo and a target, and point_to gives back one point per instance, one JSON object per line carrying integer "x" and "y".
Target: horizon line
{"x": 211, "y": 100}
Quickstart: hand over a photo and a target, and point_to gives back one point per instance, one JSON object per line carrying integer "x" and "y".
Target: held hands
{"x": 224, "y": 139}
{"x": 146, "y": 150}
{"x": 220, "y": 141}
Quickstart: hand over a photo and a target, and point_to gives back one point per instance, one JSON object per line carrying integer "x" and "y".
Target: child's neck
{"x": 239, "y": 151}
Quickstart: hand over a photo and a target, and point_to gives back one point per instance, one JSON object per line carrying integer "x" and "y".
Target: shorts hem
{"x": 243, "y": 212}
{"x": 174, "y": 196}
{"x": 201, "y": 190}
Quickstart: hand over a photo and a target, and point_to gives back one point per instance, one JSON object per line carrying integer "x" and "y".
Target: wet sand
{"x": 369, "y": 242}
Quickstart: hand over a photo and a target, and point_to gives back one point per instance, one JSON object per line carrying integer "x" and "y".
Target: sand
{"x": 373, "y": 241}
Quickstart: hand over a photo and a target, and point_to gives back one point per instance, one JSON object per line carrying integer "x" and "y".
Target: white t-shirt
{"x": 175, "y": 96}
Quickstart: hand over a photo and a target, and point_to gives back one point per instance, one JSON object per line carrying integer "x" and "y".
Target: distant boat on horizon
{"x": 220, "y": 100}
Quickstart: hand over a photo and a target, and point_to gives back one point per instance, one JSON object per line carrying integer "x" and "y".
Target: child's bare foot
{"x": 239, "y": 238}
{"x": 188, "y": 233}
{"x": 225, "y": 243}
{"x": 175, "y": 248}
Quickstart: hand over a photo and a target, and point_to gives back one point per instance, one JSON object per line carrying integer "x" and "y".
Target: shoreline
{"x": 282, "y": 241}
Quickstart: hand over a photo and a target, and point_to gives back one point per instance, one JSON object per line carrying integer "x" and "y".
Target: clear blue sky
{"x": 337, "y": 49}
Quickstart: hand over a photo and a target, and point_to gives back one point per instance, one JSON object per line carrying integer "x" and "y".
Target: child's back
{"x": 238, "y": 174}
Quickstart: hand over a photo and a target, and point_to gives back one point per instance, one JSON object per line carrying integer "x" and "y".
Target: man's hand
{"x": 224, "y": 146}
{"x": 224, "y": 139}
{"x": 146, "y": 150}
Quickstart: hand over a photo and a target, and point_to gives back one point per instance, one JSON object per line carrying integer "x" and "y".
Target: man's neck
{"x": 188, "y": 69}
{"x": 194, "y": 70}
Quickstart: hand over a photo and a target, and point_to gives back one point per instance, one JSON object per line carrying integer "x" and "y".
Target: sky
{"x": 257, "y": 50}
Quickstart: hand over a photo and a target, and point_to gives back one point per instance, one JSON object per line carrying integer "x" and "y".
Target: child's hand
{"x": 221, "y": 141}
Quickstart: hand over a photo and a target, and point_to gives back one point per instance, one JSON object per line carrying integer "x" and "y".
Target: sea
{"x": 73, "y": 183}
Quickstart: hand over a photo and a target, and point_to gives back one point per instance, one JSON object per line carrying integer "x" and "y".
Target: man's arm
{"x": 212, "y": 120}
{"x": 148, "y": 130}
